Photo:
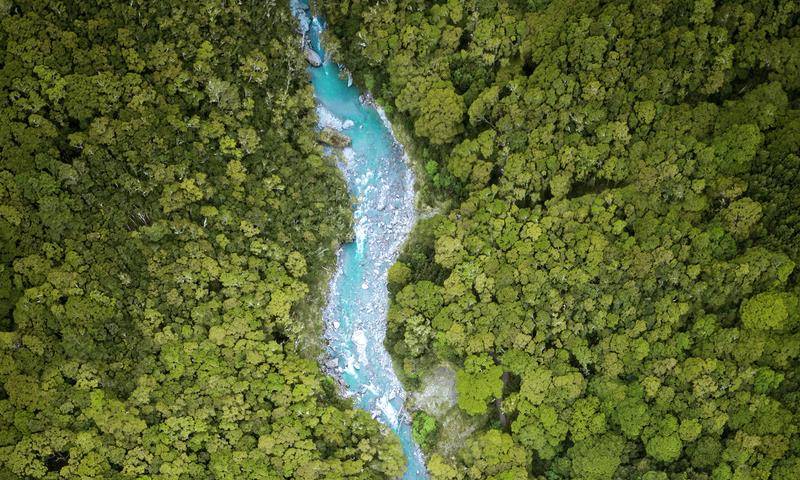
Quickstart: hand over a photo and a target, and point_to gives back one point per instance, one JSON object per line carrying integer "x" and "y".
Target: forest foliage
{"x": 617, "y": 280}
{"x": 166, "y": 215}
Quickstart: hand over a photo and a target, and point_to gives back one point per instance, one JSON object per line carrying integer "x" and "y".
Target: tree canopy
{"x": 166, "y": 216}
{"x": 615, "y": 256}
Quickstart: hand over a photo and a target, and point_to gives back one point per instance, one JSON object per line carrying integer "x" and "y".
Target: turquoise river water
{"x": 379, "y": 177}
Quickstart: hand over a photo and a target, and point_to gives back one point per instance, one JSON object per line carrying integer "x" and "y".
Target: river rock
{"x": 312, "y": 57}
{"x": 333, "y": 138}
{"x": 331, "y": 364}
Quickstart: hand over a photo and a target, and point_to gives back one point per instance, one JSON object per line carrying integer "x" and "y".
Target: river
{"x": 380, "y": 178}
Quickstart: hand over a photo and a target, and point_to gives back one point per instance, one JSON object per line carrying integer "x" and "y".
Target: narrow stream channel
{"x": 380, "y": 179}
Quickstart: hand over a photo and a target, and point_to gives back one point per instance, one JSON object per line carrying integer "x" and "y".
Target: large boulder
{"x": 313, "y": 57}
{"x": 333, "y": 138}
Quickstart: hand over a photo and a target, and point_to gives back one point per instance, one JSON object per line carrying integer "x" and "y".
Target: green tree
{"x": 441, "y": 115}
{"x": 596, "y": 458}
{"x": 770, "y": 311}
{"x": 478, "y": 383}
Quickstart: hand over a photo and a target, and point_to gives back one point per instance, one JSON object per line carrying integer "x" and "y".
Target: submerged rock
{"x": 312, "y": 57}
{"x": 333, "y": 138}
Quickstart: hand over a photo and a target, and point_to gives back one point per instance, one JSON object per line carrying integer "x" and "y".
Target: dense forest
{"x": 166, "y": 216}
{"x": 613, "y": 269}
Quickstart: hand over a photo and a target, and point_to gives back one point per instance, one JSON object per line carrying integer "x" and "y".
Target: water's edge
{"x": 379, "y": 176}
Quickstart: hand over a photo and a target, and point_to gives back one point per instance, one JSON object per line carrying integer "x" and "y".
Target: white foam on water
{"x": 326, "y": 119}
{"x": 365, "y": 178}
{"x": 360, "y": 229}
{"x": 350, "y": 367}
{"x": 360, "y": 339}
{"x": 371, "y": 388}
{"x": 388, "y": 410}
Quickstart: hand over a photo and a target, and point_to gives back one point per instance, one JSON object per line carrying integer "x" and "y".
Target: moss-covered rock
{"x": 333, "y": 138}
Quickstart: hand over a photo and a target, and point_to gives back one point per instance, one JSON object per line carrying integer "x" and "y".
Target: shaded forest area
{"x": 166, "y": 216}
{"x": 615, "y": 278}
